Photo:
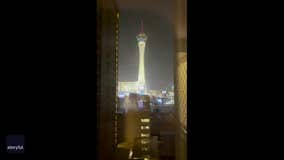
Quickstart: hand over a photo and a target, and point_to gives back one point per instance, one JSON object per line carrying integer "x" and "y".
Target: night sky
{"x": 158, "y": 52}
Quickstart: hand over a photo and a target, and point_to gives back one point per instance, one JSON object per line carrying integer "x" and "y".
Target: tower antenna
{"x": 142, "y": 29}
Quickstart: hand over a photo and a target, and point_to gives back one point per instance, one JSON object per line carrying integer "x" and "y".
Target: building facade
{"x": 107, "y": 75}
{"x": 181, "y": 78}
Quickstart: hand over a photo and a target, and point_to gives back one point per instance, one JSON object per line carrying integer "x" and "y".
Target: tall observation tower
{"x": 138, "y": 86}
{"x": 141, "y": 39}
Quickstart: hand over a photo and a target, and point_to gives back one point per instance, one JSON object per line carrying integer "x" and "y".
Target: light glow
{"x": 145, "y": 120}
{"x": 145, "y": 127}
{"x": 144, "y": 149}
{"x": 130, "y": 154}
{"x": 145, "y": 135}
{"x": 145, "y": 141}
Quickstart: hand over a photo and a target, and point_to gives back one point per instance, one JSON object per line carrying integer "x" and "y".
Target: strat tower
{"x": 141, "y": 39}
{"x": 140, "y": 85}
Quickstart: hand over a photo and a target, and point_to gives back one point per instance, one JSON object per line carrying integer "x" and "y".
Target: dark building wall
{"x": 107, "y": 52}
{"x": 180, "y": 70}
{"x": 120, "y": 128}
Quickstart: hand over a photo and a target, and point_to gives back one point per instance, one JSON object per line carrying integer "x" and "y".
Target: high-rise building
{"x": 181, "y": 78}
{"x": 140, "y": 85}
{"x": 141, "y": 39}
{"x": 107, "y": 74}
{"x": 142, "y": 148}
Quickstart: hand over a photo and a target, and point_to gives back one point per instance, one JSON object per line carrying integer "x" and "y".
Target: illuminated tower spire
{"x": 142, "y": 29}
{"x": 141, "y": 39}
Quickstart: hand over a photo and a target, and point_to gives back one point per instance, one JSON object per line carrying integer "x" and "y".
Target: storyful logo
{"x": 15, "y": 143}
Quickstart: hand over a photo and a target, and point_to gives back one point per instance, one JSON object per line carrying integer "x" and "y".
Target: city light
{"x": 144, "y": 149}
{"x": 145, "y": 141}
{"x": 145, "y": 135}
{"x": 121, "y": 95}
{"x": 130, "y": 154}
{"x": 145, "y": 127}
{"x": 140, "y": 104}
{"x": 145, "y": 120}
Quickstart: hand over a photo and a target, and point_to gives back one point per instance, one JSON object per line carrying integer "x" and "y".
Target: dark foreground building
{"x": 181, "y": 79}
{"x": 107, "y": 65}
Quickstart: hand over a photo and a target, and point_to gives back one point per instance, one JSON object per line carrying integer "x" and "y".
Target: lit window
{"x": 130, "y": 154}
{"x": 145, "y": 120}
{"x": 144, "y": 149}
{"x": 145, "y": 127}
{"x": 145, "y": 135}
{"x": 145, "y": 141}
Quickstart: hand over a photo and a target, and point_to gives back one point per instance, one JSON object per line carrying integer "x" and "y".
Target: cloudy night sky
{"x": 159, "y": 46}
